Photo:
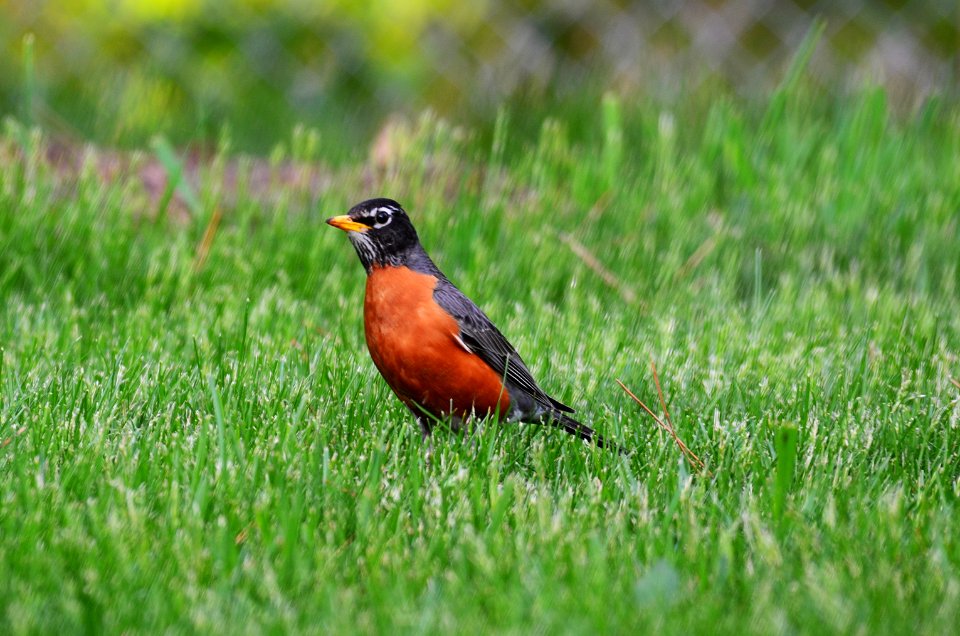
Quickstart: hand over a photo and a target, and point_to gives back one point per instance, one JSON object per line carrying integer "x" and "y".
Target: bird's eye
{"x": 382, "y": 216}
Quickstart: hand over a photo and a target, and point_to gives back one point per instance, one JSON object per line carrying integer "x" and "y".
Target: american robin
{"x": 439, "y": 353}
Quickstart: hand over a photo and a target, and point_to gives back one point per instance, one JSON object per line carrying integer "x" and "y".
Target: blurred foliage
{"x": 122, "y": 70}
{"x": 125, "y": 69}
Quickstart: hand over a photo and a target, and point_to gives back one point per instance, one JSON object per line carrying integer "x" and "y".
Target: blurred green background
{"x": 119, "y": 71}
{"x": 192, "y": 435}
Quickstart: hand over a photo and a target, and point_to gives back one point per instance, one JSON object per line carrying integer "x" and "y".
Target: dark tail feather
{"x": 583, "y": 431}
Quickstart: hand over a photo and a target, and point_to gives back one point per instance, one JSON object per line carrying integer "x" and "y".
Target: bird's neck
{"x": 413, "y": 257}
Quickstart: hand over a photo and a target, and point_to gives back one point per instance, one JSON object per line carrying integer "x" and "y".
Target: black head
{"x": 380, "y": 231}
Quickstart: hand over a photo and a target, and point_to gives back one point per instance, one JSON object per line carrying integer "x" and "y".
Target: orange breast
{"x": 412, "y": 340}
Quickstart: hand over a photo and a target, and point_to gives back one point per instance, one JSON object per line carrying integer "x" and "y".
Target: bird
{"x": 439, "y": 353}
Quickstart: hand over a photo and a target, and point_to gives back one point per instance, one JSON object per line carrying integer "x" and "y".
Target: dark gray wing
{"x": 485, "y": 340}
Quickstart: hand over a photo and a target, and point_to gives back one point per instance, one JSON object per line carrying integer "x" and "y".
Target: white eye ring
{"x": 382, "y": 216}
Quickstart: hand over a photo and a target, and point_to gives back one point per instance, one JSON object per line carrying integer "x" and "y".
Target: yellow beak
{"x": 347, "y": 224}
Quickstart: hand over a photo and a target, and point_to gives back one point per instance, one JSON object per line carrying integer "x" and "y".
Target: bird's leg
{"x": 426, "y": 426}
{"x": 426, "y": 431}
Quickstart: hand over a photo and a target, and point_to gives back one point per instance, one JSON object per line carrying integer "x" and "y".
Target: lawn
{"x": 193, "y": 437}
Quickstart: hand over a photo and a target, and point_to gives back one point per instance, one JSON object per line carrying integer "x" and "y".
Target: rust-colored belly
{"x": 413, "y": 342}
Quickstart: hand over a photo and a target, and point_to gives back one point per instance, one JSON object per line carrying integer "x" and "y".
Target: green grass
{"x": 210, "y": 448}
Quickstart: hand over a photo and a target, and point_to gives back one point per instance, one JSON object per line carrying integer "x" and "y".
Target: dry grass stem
{"x": 7, "y": 441}
{"x": 697, "y": 257}
{"x": 208, "y": 235}
{"x": 692, "y": 457}
{"x": 594, "y": 264}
